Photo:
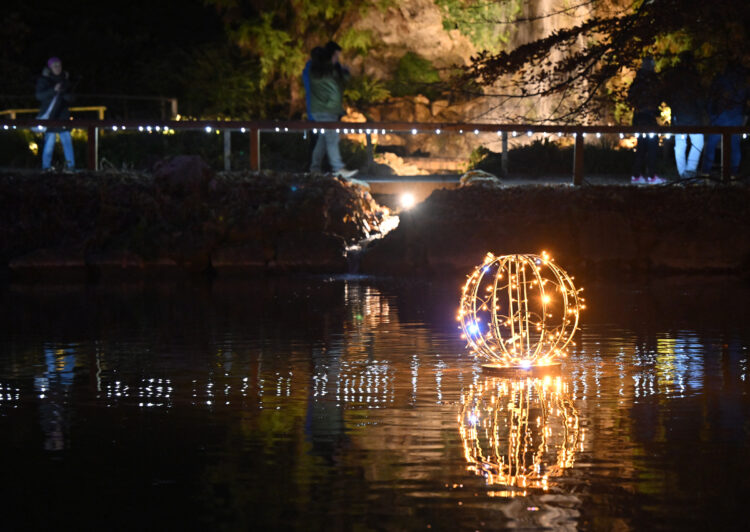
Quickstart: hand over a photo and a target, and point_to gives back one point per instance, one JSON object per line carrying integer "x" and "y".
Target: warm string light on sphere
{"x": 519, "y": 311}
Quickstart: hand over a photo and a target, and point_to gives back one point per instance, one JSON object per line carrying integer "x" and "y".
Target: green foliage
{"x": 280, "y": 34}
{"x": 224, "y": 84}
{"x": 478, "y": 155}
{"x": 486, "y": 24}
{"x": 356, "y": 41}
{"x": 364, "y": 90}
{"x": 18, "y": 147}
{"x": 15, "y": 149}
{"x": 415, "y": 75}
{"x": 353, "y": 153}
{"x": 277, "y": 53}
{"x": 547, "y": 158}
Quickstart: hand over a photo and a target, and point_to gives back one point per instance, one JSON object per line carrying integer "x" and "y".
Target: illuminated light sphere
{"x": 407, "y": 200}
{"x": 520, "y": 435}
{"x": 519, "y": 311}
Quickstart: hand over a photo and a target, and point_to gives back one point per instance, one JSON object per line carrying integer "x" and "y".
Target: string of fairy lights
{"x": 519, "y": 310}
{"x": 157, "y": 128}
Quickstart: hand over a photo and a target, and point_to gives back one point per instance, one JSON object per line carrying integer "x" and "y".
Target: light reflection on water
{"x": 520, "y": 434}
{"x": 317, "y": 403}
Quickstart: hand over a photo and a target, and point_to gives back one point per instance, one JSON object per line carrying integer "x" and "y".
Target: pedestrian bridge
{"x": 579, "y": 134}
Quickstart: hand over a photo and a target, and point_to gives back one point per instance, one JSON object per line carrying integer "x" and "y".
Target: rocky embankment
{"x": 181, "y": 218}
{"x": 186, "y": 218}
{"x": 597, "y": 229}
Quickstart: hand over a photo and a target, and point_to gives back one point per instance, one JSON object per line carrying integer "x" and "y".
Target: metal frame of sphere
{"x": 519, "y": 311}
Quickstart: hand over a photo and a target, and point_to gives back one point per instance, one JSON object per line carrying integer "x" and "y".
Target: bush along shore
{"x": 600, "y": 230}
{"x": 183, "y": 218}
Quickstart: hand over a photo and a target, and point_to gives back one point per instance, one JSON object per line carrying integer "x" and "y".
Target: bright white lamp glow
{"x": 407, "y": 200}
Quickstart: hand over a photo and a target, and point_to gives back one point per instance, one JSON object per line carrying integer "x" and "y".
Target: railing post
{"x": 726, "y": 157}
{"x": 504, "y": 156}
{"x": 578, "y": 160}
{"x": 227, "y": 150}
{"x": 92, "y": 150}
{"x": 254, "y": 149}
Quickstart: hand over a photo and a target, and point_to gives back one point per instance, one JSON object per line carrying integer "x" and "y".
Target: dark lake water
{"x": 351, "y": 404}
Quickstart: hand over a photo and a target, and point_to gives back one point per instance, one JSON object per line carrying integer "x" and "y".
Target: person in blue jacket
{"x": 728, "y": 97}
{"x": 54, "y": 92}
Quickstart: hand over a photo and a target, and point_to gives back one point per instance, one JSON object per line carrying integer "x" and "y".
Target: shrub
{"x": 415, "y": 75}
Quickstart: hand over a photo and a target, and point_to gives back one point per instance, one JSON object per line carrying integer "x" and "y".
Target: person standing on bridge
{"x": 327, "y": 80}
{"x": 315, "y": 53}
{"x": 54, "y": 92}
{"x": 643, "y": 96}
{"x": 727, "y": 104}
{"x": 686, "y": 98}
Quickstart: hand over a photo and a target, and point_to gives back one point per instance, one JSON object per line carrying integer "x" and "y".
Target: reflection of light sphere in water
{"x": 519, "y": 310}
{"x": 520, "y": 434}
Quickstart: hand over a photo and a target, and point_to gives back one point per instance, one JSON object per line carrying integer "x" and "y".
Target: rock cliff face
{"x": 604, "y": 229}
{"x": 417, "y": 26}
{"x": 410, "y": 26}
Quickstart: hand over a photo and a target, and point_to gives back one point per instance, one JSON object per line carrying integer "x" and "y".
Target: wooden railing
{"x": 255, "y": 128}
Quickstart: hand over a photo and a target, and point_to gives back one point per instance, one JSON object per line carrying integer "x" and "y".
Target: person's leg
{"x": 331, "y": 139}
{"x": 640, "y": 157}
{"x": 680, "y": 145}
{"x": 332, "y": 149}
{"x": 652, "y": 148}
{"x": 694, "y": 155}
{"x": 48, "y": 150}
{"x": 67, "y": 144}
{"x": 729, "y": 117}
{"x": 709, "y": 152}
{"x": 318, "y": 153}
{"x": 736, "y": 154}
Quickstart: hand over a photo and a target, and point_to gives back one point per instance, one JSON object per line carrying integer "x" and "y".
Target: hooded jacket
{"x": 45, "y": 93}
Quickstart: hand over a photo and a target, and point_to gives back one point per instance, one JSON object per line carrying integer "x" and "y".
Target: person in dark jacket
{"x": 644, "y": 97}
{"x": 686, "y": 99}
{"x": 728, "y": 98}
{"x": 54, "y": 92}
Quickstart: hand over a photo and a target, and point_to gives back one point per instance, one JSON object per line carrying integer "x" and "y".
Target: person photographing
{"x": 327, "y": 80}
{"x": 54, "y": 92}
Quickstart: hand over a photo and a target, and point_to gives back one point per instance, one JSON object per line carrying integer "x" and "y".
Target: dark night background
{"x": 134, "y": 47}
